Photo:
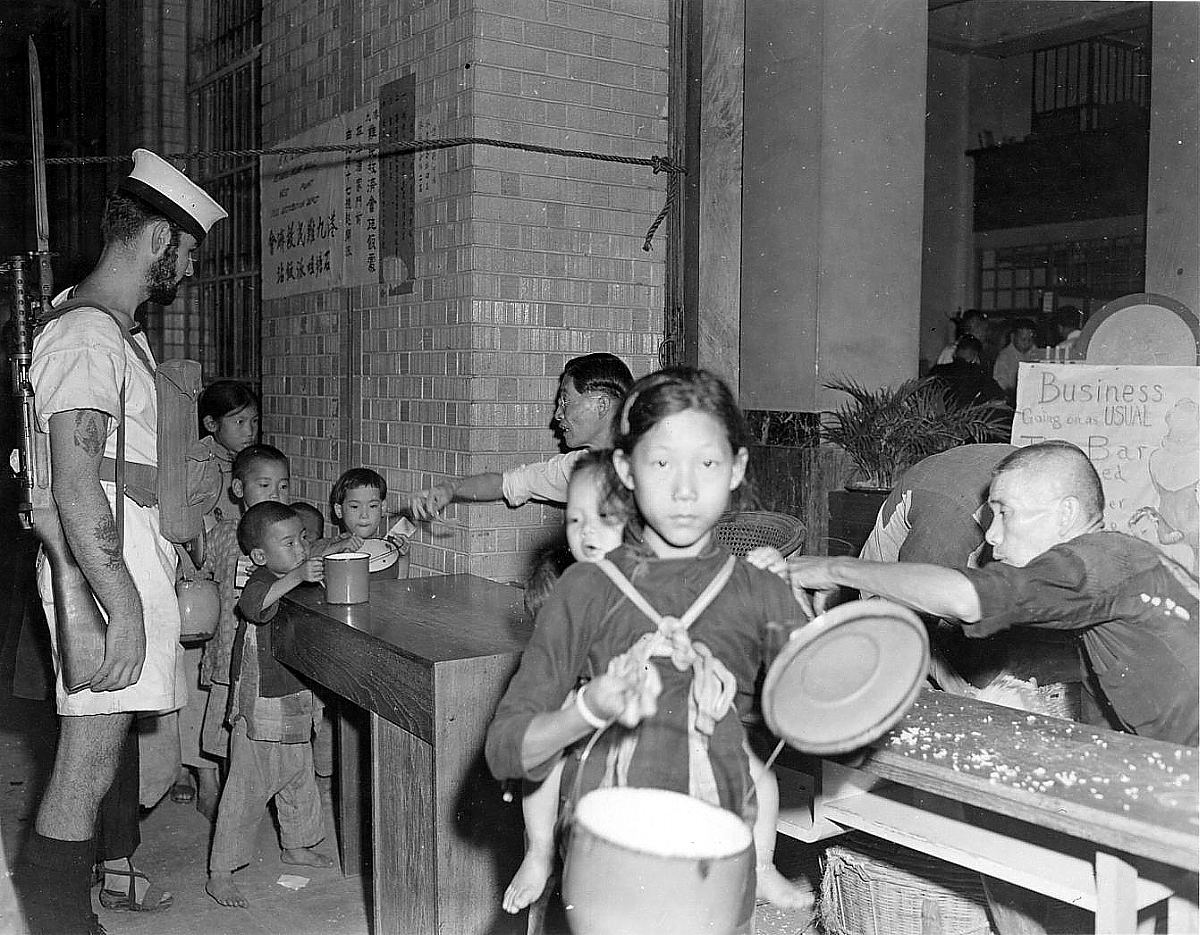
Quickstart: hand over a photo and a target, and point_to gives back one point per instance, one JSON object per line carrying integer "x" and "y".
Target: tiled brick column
{"x": 522, "y": 260}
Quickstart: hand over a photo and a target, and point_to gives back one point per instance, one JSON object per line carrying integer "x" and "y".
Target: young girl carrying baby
{"x": 679, "y": 454}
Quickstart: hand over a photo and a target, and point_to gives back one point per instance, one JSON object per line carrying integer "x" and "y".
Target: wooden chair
{"x": 739, "y": 532}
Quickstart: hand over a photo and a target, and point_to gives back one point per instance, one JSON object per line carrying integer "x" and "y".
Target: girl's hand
{"x": 769, "y": 559}
{"x": 609, "y": 695}
{"x": 635, "y": 688}
{"x": 312, "y": 569}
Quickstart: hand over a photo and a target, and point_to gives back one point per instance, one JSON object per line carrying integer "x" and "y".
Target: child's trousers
{"x": 260, "y": 770}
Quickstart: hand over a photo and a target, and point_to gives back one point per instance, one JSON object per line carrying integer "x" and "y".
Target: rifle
{"x": 80, "y": 625}
{"x": 22, "y": 354}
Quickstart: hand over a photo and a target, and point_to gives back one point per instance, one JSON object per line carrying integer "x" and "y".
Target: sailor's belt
{"x": 141, "y": 480}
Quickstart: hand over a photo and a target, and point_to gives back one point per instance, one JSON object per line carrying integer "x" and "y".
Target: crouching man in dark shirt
{"x": 1135, "y": 610}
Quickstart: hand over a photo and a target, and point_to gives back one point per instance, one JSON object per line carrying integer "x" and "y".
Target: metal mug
{"x": 347, "y": 577}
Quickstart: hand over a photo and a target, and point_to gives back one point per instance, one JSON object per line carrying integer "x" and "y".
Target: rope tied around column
{"x": 657, "y": 164}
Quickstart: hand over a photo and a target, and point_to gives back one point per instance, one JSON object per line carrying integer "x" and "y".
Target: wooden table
{"x": 428, "y": 658}
{"x": 1105, "y": 821}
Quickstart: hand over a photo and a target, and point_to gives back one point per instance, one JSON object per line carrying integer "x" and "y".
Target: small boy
{"x": 314, "y": 522}
{"x": 359, "y": 499}
{"x": 271, "y": 713}
{"x": 260, "y": 473}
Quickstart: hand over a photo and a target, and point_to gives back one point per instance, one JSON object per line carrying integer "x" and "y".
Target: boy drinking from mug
{"x": 271, "y": 711}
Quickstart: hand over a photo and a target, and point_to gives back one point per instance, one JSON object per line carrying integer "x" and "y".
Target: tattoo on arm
{"x": 106, "y": 538}
{"x": 91, "y": 431}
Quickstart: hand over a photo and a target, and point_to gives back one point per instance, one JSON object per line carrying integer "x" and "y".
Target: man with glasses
{"x": 590, "y": 393}
{"x": 1136, "y": 610}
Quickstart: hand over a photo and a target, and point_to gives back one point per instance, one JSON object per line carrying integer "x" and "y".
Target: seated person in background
{"x": 1135, "y": 610}
{"x": 965, "y": 379}
{"x": 271, "y": 711}
{"x": 1068, "y": 319}
{"x": 590, "y": 393}
{"x": 358, "y": 502}
{"x": 972, "y": 322}
{"x": 1022, "y": 347}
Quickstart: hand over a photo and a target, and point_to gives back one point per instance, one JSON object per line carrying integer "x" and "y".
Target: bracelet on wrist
{"x": 586, "y": 713}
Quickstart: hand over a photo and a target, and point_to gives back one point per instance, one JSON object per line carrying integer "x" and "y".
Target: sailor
{"x": 92, "y": 373}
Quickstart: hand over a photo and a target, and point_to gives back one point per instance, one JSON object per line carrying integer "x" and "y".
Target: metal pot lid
{"x": 845, "y": 678}
{"x": 383, "y": 553}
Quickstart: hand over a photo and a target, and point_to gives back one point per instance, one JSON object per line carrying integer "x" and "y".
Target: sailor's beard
{"x": 161, "y": 282}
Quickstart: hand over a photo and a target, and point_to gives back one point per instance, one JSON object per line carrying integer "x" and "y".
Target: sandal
{"x": 183, "y": 792}
{"x": 155, "y": 899}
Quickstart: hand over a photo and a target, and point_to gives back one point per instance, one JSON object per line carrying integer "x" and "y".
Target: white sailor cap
{"x": 161, "y": 186}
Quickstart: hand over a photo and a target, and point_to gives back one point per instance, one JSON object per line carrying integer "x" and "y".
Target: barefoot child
{"x": 680, "y": 453}
{"x": 259, "y": 473}
{"x": 271, "y": 712}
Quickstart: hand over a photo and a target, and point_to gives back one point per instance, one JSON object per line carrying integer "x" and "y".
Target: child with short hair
{"x": 259, "y": 473}
{"x": 272, "y": 712}
{"x": 314, "y": 522}
{"x": 358, "y": 501}
{"x": 594, "y": 528}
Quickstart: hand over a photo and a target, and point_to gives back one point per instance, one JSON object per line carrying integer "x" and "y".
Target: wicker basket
{"x": 749, "y": 529}
{"x": 872, "y": 887}
{"x": 1051, "y": 699}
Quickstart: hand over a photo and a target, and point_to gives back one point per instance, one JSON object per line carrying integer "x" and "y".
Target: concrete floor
{"x": 175, "y": 839}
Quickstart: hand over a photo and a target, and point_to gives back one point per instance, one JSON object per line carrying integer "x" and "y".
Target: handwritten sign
{"x": 319, "y": 210}
{"x": 301, "y": 227}
{"x": 1140, "y": 426}
{"x": 360, "y": 199}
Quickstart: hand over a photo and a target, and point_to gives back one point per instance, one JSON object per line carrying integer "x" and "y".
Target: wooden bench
{"x": 1104, "y": 821}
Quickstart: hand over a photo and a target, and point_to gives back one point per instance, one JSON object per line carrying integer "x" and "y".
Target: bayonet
{"x": 41, "y": 211}
{"x": 38, "y": 137}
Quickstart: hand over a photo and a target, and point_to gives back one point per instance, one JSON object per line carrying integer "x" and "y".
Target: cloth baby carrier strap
{"x": 713, "y": 685}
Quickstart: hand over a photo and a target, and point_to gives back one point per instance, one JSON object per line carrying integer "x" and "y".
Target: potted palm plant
{"x": 886, "y": 430}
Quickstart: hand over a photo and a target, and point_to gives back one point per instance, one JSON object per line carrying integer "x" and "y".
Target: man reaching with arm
{"x": 590, "y": 393}
{"x": 1135, "y": 610}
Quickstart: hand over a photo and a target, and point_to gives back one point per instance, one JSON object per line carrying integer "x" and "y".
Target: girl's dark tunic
{"x": 587, "y": 621}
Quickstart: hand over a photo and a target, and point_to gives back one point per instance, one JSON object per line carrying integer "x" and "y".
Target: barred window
{"x": 224, "y": 63}
{"x": 1013, "y": 280}
{"x": 1093, "y": 84}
